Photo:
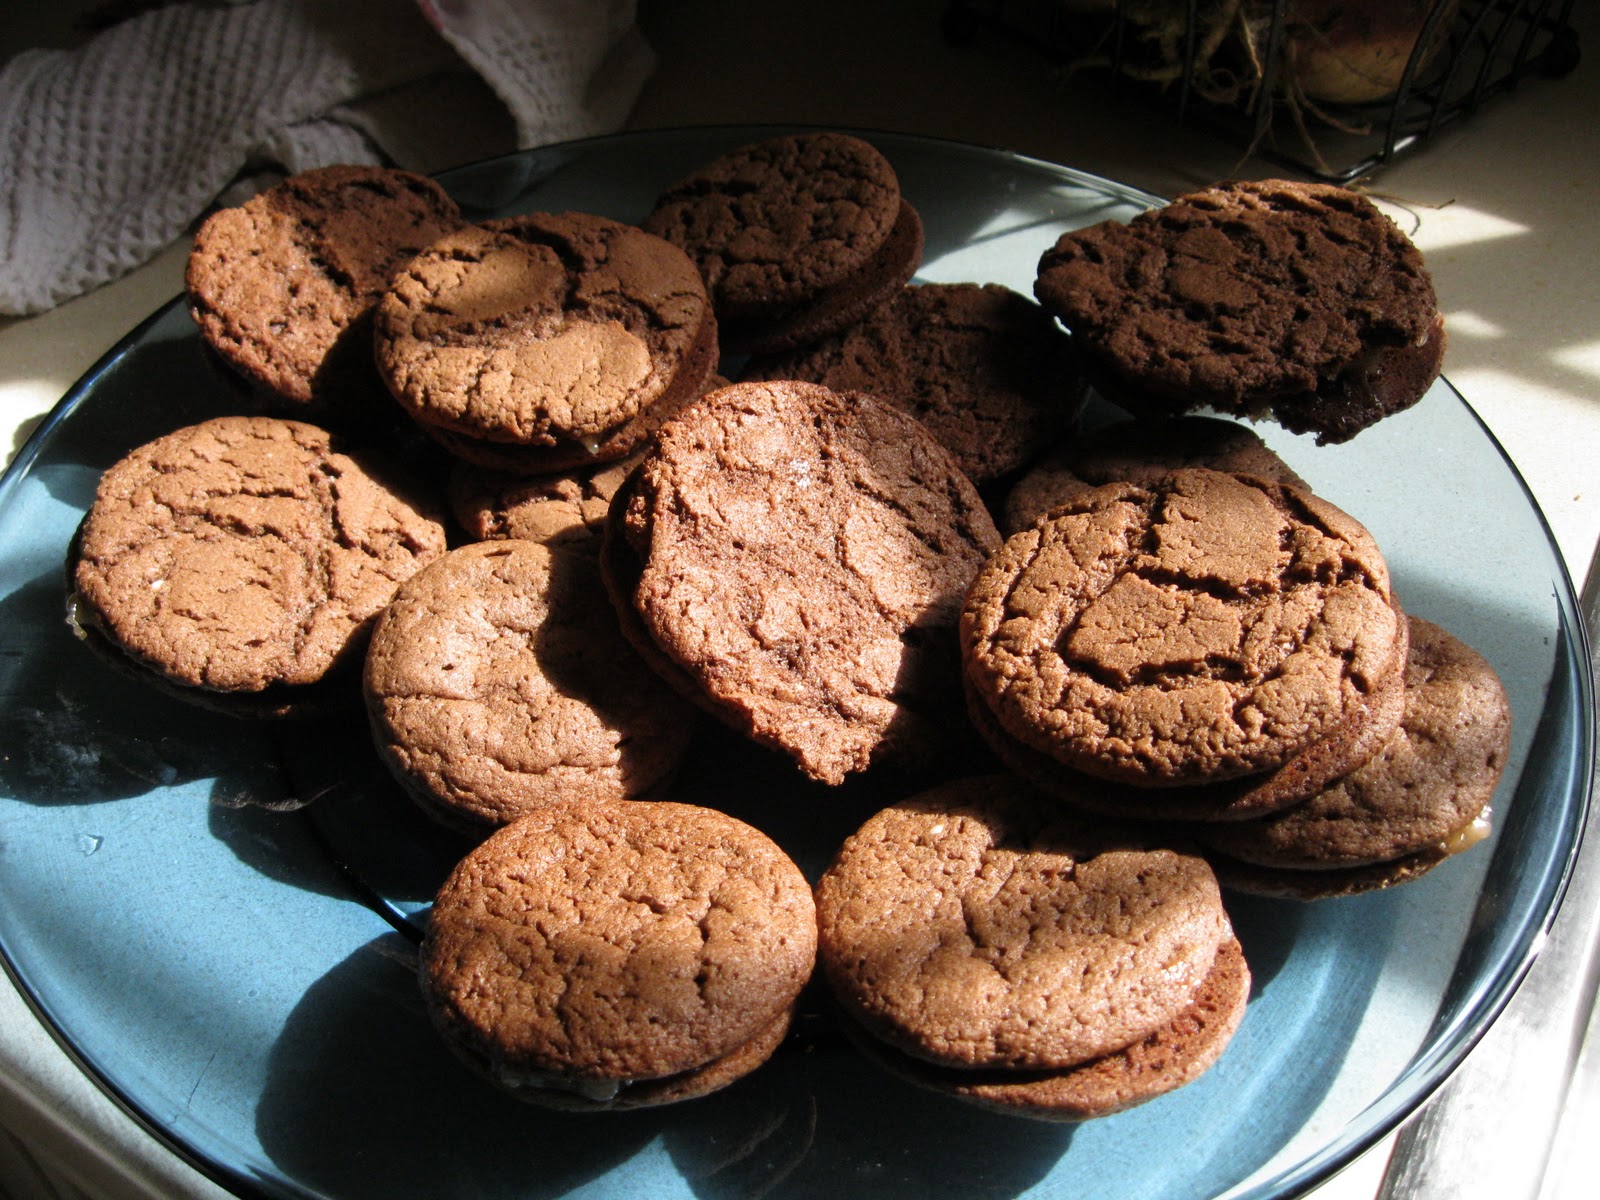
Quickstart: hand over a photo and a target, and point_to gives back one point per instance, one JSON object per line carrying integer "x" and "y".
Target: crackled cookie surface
{"x": 976, "y": 925}
{"x": 283, "y": 285}
{"x": 1301, "y": 300}
{"x": 797, "y": 558}
{"x": 546, "y": 332}
{"x": 245, "y": 553}
{"x": 497, "y": 681}
{"x": 796, "y": 236}
{"x": 581, "y": 949}
{"x": 984, "y": 368}
{"x": 1422, "y": 791}
{"x": 1202, "y": 628}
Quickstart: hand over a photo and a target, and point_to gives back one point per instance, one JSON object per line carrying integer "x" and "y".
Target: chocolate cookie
{"x": 606, "y": 955}
{"x": 1206, "y": 627}
{"x": 1301, "y": 301}
{"x": 1422, "y": 797}
{"x": 497, "y": 682}
{"x": 976, "y": 926}
{"x": 1316, "y": 767}
{"x": 1176, "y": 1054}
{"x": 242, "y": 560}
{"x": 1138, "y": 452}
{"x": 984, "y": 368}
{"x": 796, "y": 236}
{"x": 794, "y": 559}
{"x": 543, "y": 341}
{"x": 558, "y": 508}
{"x": 282, "y": 286}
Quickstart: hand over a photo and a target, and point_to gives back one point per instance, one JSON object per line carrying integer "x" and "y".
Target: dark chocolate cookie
{"x": 497, "y": 681}
{"x": 542, "y": 341}
{"x": 282, "y": 286}
{"x": 1301, "y": 301}
{"x": 247, "y": 557}
{"x": 977, "y": 925}
{"x": 796, "y": 236}
{"x": 586, "y": 953}
{"x": 795, "y": 559}
{"x": 1206, "y": 627}
{"x": 984, "y": 368}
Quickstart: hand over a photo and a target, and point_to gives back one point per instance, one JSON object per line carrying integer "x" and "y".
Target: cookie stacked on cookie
{"x": 984, "y": 944}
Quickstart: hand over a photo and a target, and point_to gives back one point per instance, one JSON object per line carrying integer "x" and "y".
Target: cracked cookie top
{"x": 605, "y": 943}
{"x": 1301, "y": 299}
{"x": 1204, "y": 627}
{"x": 248, "y": 552}
{"x": 543, "y": 329}
{"x": 283, "y": 285}
{"x": 497, "y": 681}
{"x": 978, "y": 925}
{"x": 797, "y": 557}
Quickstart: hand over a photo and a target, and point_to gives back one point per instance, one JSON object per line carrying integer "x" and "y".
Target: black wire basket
{"x": 1333, "y": 89}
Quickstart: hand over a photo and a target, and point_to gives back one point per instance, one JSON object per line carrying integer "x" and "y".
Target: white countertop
{"x": 1502, "y": 205}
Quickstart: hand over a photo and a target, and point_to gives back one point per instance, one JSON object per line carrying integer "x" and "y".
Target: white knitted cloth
{"x": 113, "y": 149}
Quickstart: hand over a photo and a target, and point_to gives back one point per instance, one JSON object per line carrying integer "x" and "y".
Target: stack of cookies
{"x": 1133, "y": 660}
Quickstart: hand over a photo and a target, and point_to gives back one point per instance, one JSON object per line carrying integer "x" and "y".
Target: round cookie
{"x": 796, "y": 236}
{"x": 984, "y": 368}
{"x": 242, "y": 560}
{"x": 282, "y": 286}
{"x": 1138, "y": 452}
{"x": 1176, "y": 1054}
{"x": 497, "y": 682}
{"x": 584, "y": 950}
{"x": 1243, "y": 799}
{"x": 977, "y": 925}
{"x": 794, "y": 558}
{"x": 1425, "y": 793}
{"x": 543, "y": 341}
{"x": 1301, "y": 301}
{"x": 1206, "y": 627}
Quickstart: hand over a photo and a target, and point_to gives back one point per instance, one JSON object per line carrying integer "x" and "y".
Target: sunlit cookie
{"x": 241, "y": 562}
{"x": 618, "y": 955}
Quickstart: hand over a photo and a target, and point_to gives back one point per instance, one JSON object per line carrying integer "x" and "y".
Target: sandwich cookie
{"x": 1301, "y": 302}
{"x": 241, "y": 562}
{"x": 796, "y": 236}
{"x": 497, "y": 682}
{"x": 544, "y": 341}
{"x": 282, "y": 286}
{"x": 612, "y": 956}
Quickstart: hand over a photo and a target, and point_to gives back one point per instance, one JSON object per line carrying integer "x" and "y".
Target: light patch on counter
{"x": 1437, "y": 228}
{"x": 1584, "y": 358}
{"x": 1472, "y": 325}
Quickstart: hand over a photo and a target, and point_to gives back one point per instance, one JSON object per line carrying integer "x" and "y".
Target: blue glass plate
{"x": 218, "y": 919}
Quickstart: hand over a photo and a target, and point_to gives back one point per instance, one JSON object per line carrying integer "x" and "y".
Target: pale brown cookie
{"x": 586, "y": 953}
{"x": 794, "y": 559}
{"x": 986, "y": 370}
{"x": 1138, "y": 452}
{"x": 796, "y": 236}
{"x": 976, "y": 925}
{"x": 497, "y": 682}
{"x": 282, "y": 286}
{"x": 544, "y": 341}
{"x": 242, "y": 560}
{"x": 1423, "y": 796}
{"x": 1299, "y": 301}
{"x": 1206, "y": 627}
